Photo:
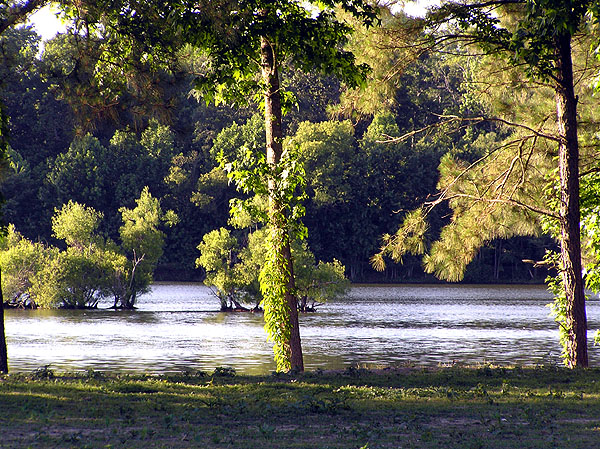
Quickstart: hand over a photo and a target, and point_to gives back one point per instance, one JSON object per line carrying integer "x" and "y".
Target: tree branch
{"x": 509, "y": 201}
{"x": 475, "y": 120}
{"x": 18, "y": 13}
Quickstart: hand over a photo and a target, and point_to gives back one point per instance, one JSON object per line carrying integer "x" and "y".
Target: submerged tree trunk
{"x": 278, "y": 218}
{"x": 568, "y": 164}
{"x": 3, "y": 352}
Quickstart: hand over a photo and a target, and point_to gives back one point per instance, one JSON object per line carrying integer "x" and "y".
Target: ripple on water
{"x": 177, "y": 327}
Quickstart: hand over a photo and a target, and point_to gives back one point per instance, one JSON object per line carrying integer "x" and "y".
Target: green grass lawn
{"x": 483, "y": 407}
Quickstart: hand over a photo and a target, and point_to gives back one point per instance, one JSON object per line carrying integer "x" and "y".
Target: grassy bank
{"x": 480, "y": 407}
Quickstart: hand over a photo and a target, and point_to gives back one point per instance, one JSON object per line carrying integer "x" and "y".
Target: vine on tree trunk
{"x": 252, "y": 173}
{"x": 274, "y": 277}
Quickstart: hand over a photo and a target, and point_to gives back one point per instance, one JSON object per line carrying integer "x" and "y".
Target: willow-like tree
{"x": 539, "y": 42}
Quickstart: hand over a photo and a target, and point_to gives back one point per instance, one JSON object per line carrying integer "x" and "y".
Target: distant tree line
{"x": 70, "y": 142}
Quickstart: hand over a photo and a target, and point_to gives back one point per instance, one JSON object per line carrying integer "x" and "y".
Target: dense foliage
{"x": 91, "y": 267}
{"x": 355, "y": 193}
{"x": 232, "y": 269}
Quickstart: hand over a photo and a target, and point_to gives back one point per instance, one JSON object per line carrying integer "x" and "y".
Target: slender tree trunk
{"x": 3, "y": 352}
{"x": 274, "y": 136}
{"x": 568, "y": 154}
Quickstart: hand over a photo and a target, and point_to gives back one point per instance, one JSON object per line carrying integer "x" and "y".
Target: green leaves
{"x": 275, "y": 277}
{"x": 528, "y": 41}
{"x": 143, "y": 242}
{"x": 75, "y": 224}
{"x": 91, "y": 267}
{"x": 306, "y": 38}
{"x": 409, "y": 239}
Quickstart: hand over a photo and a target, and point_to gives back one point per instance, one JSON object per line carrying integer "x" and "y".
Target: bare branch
{"x": 475, "y": 120}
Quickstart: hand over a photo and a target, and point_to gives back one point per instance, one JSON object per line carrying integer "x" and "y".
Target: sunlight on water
{"x": 178, "y": 327}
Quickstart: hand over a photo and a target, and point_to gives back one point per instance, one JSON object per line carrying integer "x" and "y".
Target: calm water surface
{"x": 177, "y": 327}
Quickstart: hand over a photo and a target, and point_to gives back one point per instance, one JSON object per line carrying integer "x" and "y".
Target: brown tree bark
{"x": 274, "y": 136}
{"x": 3, "y": 352}
{"x": 568, "y": 164}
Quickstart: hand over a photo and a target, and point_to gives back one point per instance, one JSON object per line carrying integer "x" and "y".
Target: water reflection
{"x": 178, "y": 327}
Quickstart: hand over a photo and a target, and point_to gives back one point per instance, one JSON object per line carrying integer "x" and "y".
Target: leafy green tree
{"x": 107, "y": 177}
{"x": 233, "y": 269}
{"x": 83, "y": 174}
{"x": 20, "y": 260}
{"x": 399, "y": 172}
{"x": 274, "y": 32}
{"x": 355, "y": 186}
{"x": 94, "y": 70}
{"x": 91, "y": 267}
{"x": 232, "y": 142}
{"x": 201, "y": 200}
{"x": 590, "y": 193}
{"x": 76, "y": 277}
{"x": 40, "y": 125}
{"x": 328, "y": 151}
{"x": 336, "y": 209}
{"x": 76, "y": 225}
{"x": 317, "y": 282}
{"x": 143, "y": 242}
{"x": 141, "y": 161}
{"x": 289, "y": 30}
{"x": 218, "y": 254}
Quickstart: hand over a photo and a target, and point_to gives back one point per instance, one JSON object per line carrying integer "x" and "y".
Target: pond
{"x": 177, "y": 327}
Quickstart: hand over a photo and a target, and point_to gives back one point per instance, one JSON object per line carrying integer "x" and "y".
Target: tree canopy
{"x": 104, "y": 114}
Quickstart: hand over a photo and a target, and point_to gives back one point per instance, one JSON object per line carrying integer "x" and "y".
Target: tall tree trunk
{"x": 274, "y": 136}
{"x": 568, "y": 154}
{"x": 3, "y": 352}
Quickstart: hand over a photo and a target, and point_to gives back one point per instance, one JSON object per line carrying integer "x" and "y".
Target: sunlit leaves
{"x": 218, "y": 251}
{"x": 20, "y": 260}
{"x": 409, "y": 239}
{"x": 275, "y": 277}
{"x": 75, "y": 224}
{"x": 326, "y": 150}
{"x": 309, "y": 40}
{"x": 143, "y": 241}
{"x": 91, "y": 267}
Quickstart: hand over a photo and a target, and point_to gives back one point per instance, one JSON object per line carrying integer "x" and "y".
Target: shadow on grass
{"x": 491, "y": 407}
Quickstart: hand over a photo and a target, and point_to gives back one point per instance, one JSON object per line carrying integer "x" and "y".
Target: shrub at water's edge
{"x": 91, "y": 267}
{"x": 233, "y": 264}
